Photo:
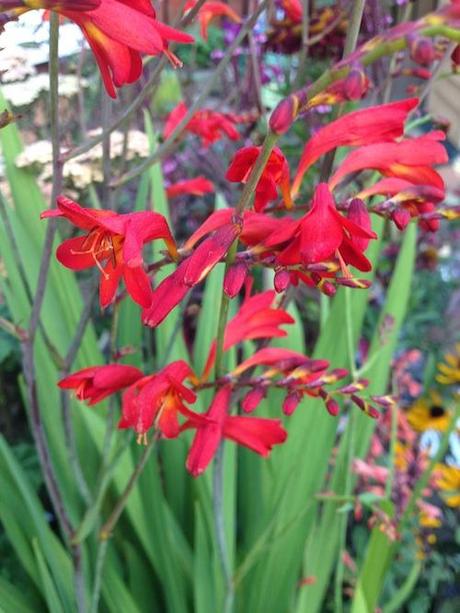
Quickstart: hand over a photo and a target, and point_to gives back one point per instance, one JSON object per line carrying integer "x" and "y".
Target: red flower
{"x": 209, "y": 11}
{"x": 209, "y": 125}
{"x": 324, "y": 234}
{"x": 158, "y": 400}
{"x": 293, "y": 10}
{"x": 410, "y": 159}
{"x": 196, "y": 187}
{"x": 95, "y": 383}
{"x": 275, "y": 174}
{"x": 114, "y": 244}
{"x": 190, "y": 272}
{"x": 256, "y": 319}
{"x": 371, "y": 125}
{"x": 255, "y": 433}
{"x": 118, "y": 32}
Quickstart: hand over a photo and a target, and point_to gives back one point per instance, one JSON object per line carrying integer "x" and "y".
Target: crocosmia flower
{"x": 114, "y": 244}
{"x": 199, "y": 186}
{"x": 95, "y": 383}
{"x": 275, "y": 174}
{"x": 157, "y": 401}
{"x": 118, "y": 32}
{"x": 208, "y": 124}
{"x": 324, "y": 234}
{"x": 256, "y": 433}
{"x": 209, "y": 11}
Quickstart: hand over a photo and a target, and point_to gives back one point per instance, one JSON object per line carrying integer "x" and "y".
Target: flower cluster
{"x": 317, "y": 236}
{"x": 162, "y": 401}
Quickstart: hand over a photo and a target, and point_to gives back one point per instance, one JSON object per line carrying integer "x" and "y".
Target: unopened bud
{"x": 384, "y": 401}
{"x": 252, "y": 399}
{"x": 354, "y": 387}
{"x": 354, "y": 283}
{"x": 430, "y": 221}
{"x": 355, "y": 84}
{"x": 401, "y": 218}
{"x": 235, "y": 278}
{"x": 332, "y": 406}
{"x": 325, "y": 287}
{"x": 281, "y": 280}
{"x": 284, "y": 115}
{"x": 365, "y": 407}
{"x": 291, "y": 402}
{"x": 455, "y": 57}
{"x": 422, "y": 50}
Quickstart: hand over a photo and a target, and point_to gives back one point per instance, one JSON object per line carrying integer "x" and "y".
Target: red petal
{"x": 69, "y": 254}
{"x": 256, "y": 433}
{"x": 370, "y": 125}
{"x": 321, "y": 230}
{"x": 209, "y": 253}
{"x": 109, "y": 283}
{"x": 138, "y": 285}
{"x": 165, "y": 297}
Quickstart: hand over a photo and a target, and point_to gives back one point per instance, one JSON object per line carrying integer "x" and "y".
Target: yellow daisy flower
{"x": 429, "y": 413}
{"x": 448, "y": 481}
{"x": 449, "y": 371}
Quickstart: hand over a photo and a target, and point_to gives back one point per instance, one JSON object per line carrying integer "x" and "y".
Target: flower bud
{"x": 235, "y": 278}
{"x": 284, "y": 115}
{"x": 455, "y": 57}
{"x": 365, "y": 407}
{"x": 428, "y": 223}
{"x": 291, "y": 402}
{"x": 281, "y": 280}
{"x": 422, "y": 50}
{"x": 253, "y": 398}
{"x": 401, "y": 218}
{"x": 354, "y": 283}
{"x": 356, "y": 83}
{"x": 332, "y": 406}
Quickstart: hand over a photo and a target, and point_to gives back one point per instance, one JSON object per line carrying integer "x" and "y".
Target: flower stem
{"x": 109, "y": 525}
{"x": 340, "y": 568}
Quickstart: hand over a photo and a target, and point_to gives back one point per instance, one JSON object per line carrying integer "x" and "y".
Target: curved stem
{"x": 109, "y": 525}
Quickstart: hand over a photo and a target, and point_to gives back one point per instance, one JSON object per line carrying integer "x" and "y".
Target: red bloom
{"x": 118, "y": 32}
{"x": 190, "y": 272}
{"x": 114, "y": 244}
{"x": 371, "y": 125}
{"x": 157, "y": 400}
{"x": 209, "y": 125}
{"x": 95, "y": 383}
{"x": 293, "y": 10}
{"x": 209, "y": 11}
{"x": 324, "y": 234}
{"x": 196, "y": 187}
{"x": 255, "y": 319}
{"x": 275, "y": 174}
{"x": 256, "y": 433}
{"x": 411, "y": 159}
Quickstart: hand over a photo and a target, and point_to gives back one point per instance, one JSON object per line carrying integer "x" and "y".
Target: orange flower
{"x": 211, "y": 10}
